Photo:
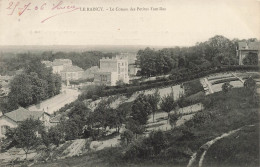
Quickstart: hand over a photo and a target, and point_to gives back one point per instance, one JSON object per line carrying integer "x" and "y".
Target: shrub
{"x": 224, "y": 80}
{"x": 192, "y": 87}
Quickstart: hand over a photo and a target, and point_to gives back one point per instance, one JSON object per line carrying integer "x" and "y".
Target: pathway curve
{"x": 238, "y": 77}
{"x": 209, "y": 85}
{"x": 207, "y": 145}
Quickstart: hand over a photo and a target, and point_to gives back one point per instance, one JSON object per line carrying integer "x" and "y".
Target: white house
{"x": 58, "y": 65}
{"x": 133, "y": 69}
{"x": 244, "y": 48}
{"x": 65, "y": 69}
{"x": 72, "y": 73}
{"x": 112, "y": 70}
{"x": 13, "y": 118}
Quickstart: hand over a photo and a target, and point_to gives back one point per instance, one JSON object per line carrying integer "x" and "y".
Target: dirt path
{"x": 55, "y": 103}
{"x": 75, "y": 148}
{"x": 207, "y": 145}
{"x": 238, "y": 77}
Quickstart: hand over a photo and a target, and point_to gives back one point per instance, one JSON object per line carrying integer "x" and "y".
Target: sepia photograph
{"x": 129, "y": 83}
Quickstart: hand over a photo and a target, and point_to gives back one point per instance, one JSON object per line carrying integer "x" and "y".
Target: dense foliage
{"x": 192, "y": 87}
{"x": 178, "y": 77}
{"x": 217, "y": 51}
{"x": 225, "y": 112}
{"x": 251, "y": 59}
{"x": 28, "y": 135}
{"x": 35, "y": 84}
{"x": 141, "y": 109}
{"x": 168, "y": 104}
{"x": 85, "y": 60}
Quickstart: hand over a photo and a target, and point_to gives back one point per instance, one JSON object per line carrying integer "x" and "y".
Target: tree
{"x": 39, "y": 88}
{"x": 135, "y": 127}
{"x": 56, "y": 135}
{"x": 218, "y": 47}
{"x": 168, "y": 104}
{"x": 101, "y": 114}
{"x": 174, "y": 118}
{"x": 127, "y": 136}
{"x": 78, "y": 118}
{"x": 158, "y": 141}
{"x": 154, "y": 99}
{"x": 147, "y": 63}
{"x": 37, "y": 83}
{"x": 21, "y": 90}
{"x": 117, "y": 118}
{"x": 251, "y": 59}
{"x": 250, "y": 84}
{"x": 226, "y": 87}
{"x": 27, "y": 134}
{"x": 141, "y": 109}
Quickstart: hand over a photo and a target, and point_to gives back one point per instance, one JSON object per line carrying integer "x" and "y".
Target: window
{"x": 4, "y": 129}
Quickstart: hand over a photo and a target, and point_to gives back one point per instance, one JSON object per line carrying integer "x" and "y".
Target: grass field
{"x": 238, "y": 150}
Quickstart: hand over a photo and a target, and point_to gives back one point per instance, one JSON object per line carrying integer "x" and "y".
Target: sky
{"x": 182, "y": 23}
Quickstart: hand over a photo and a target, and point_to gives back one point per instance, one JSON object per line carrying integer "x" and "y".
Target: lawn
{"x": 238, "y": 150}
{"x": 192, "y": 87}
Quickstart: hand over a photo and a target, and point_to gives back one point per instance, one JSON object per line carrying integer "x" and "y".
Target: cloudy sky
{"x": 183, "y": 23}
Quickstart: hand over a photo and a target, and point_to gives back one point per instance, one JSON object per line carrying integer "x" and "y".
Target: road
{"x": 55, "y": 103}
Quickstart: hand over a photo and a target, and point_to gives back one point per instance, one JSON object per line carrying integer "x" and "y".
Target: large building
{"x": 244, "y": 48}
{"x": 65, "y": 69}
{"x": 58, "y": 65}
{"x": 71, "y": 73}
{"x": 13, "y": 118}
{"x": 112, "y": 70}
{"x": 90, "y": 72}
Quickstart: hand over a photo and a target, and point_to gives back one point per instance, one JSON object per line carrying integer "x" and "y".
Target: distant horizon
{"x": 77, "y": 48}
{"x": 120, "y": 45}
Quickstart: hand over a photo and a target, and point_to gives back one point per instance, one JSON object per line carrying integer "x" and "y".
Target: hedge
{"x": 171, "y": 81}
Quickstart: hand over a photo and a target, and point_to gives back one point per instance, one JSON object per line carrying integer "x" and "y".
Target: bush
{"x": 174, "y": 79}
{"x": 224, "y": 80}
{"x": 192, "y": 87}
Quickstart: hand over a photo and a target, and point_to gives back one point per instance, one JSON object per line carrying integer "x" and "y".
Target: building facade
{"x": 244, "y": 48}
{"x": 13, "y": 118}
{"x": 112, "y": 70}
{"x": 71, "y": 73}
{"x": 65, "y": 69}
{"x": 133, "y": 69}
{"x": 58, "y": 65}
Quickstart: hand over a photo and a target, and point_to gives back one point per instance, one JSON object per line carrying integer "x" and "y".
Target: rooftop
{"x": 72, "y": 69}
{"x": 56, "y": 119}
{"x": 22, "y": 114}
{"x": 249, "y": 45}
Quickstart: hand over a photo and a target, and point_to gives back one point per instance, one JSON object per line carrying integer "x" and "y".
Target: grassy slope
{"x": 226, "y": 112}
{"x": 238, "y": 150}
{"x": 223, "y": 112}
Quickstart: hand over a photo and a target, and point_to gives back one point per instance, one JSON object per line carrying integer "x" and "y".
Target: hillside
{"x": 223, "y": 113}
